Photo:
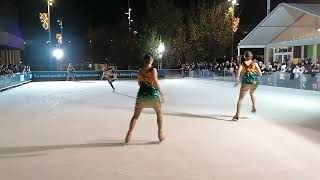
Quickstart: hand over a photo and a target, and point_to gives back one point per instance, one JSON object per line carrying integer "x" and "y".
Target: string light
{"x": 50, "y": 2}
{"x": 129, "y": 16}
{"x": 44, "y": 19}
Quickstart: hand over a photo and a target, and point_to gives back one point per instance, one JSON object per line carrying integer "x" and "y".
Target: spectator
{"x": 316, "y": 77}
{"x": 12, "y": 69}
{"x": 298, "y": 72}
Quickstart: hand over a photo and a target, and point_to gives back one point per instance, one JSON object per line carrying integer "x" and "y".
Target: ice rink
{"x": 75, "y": 131}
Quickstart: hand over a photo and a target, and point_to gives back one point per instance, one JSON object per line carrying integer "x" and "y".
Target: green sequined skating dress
{"x": 249, "y": 78}
{"x": 148, "y": 96}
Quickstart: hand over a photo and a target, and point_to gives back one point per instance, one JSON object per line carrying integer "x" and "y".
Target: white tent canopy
{"x": 287, "y": 25}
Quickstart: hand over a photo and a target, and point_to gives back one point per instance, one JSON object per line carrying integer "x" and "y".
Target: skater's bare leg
{"x": 160, "y": 123}
{"x": 239, "y": 104}
{"x": 253, "y": 100}
{"x": 135, "y": 117}
{"x": 111, "y": 85}
{"x": 103, "y": 76}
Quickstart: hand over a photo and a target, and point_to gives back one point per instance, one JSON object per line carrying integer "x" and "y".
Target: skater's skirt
{"x": 247, "y": 87}
{"x": 148, "y": 97}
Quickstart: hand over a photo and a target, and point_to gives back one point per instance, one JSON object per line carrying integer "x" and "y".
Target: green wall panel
{"x": 310, "y": 51}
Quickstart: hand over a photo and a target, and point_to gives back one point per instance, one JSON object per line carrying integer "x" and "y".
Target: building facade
{"x": 11, "y": 43}
{"x": 290, "y": 32}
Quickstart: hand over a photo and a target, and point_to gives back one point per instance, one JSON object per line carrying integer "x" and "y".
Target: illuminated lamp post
{"x": 161, "y": 49}
{"x": 235, "y": 23}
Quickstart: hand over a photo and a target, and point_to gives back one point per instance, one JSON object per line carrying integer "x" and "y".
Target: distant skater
{"x": 149, "y": 96}
{"x": 70, "y": 71}
{"x": 104, "y": 72}
{"x": 249, "y": 71}
{"x": 111, "y": 77}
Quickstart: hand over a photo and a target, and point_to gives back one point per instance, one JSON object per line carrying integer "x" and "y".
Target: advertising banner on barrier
{"x": 132, "y": 74}
{"x": 126, "y": 74}
{"x": 21, "y": 77}
{"x": 84, "y": 75}
{"x": 62, "y": 75}
{"x": 7, "y": 81}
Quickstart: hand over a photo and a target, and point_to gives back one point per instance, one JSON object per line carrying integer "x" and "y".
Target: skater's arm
{"x": 259, "y": 73}
{"x": 238, "y": 75}
{"x": 156, "y": 81}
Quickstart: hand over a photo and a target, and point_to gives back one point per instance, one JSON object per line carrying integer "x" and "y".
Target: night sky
{"x": 82, "y": 19}
{"x": 80, "y": 16}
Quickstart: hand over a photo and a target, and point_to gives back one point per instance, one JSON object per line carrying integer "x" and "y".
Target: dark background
{"x": 82, "y": 17}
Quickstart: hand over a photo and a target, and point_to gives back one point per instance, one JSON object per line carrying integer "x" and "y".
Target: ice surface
{"x": 75, "y": 130}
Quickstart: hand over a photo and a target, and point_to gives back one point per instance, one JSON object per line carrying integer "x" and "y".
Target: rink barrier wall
{"x": 308, "y": 82}
{"x": 62, "y": 75}
{"x": 85, "y": 75}
{"x": 11, "y": 81}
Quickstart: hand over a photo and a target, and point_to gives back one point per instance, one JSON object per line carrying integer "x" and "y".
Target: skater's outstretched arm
{"x": 238, "y": 75}
{"x": 156, "y": 82}
{"x": 259, "y": 73}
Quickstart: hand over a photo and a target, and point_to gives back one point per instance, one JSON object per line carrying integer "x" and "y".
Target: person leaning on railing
{"x": 315, "y": 77}
{"x": 7, "y": 69}
{"x": 1, "y": 69}
{"x": 316, "y": 68}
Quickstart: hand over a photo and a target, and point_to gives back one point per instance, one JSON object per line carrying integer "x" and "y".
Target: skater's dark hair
{"x": 248, "y": 54}
{"x": 147, "y": 58}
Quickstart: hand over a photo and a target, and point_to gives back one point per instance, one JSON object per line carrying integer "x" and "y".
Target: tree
{"x": 199, "y": 33}
{"x": 205, "y": 35}
{"x": 164, "y": 16}
{"x": 148, "y": 41}
{"x": 179, "y": 45}
{"x": 116, "y": 44}
{"x": 210, "y": 31}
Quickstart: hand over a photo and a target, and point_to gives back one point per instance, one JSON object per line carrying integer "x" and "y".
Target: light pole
{"x": 234, "y": 3}
{"x": 268, "y": 7}
{"x": 59, "y": 39}
{"x": 60, "y": 23}
{"x": 49, "y": 3}
{"x": 129, "y": 15}
{"x": 58, "y": 53}
{"x": 161, "y": 49}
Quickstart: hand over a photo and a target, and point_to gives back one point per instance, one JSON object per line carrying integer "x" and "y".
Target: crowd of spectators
{"x": 295, "y": 74}
{"x": 211, "y": 66}
{"x": 301, "y": 67}
{"x": 12, "y": 69}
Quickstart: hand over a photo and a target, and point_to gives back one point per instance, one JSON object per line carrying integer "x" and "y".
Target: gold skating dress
{"x": 249, "y": 78}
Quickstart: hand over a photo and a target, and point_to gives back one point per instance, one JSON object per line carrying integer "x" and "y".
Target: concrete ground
{"x": 75, "y": 131}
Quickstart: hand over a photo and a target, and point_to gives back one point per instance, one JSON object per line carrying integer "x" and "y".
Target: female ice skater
{"x": 249, "y": 71}
{"x": 111, "y": 77}
{"x": 104, "y": 72}
{"x": 149, "y": 96}
{"x": 70, "y": 71}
